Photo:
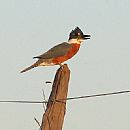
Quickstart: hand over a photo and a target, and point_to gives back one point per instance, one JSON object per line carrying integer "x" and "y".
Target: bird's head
{"x": 77, "y": 35}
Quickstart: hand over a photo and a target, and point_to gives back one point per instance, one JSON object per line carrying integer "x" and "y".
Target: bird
{"x": 61, "y": 52}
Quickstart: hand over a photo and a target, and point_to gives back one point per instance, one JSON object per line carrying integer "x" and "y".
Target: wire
{"x": 71, "y": 98}
{"x": 97, "y": 95}
{"x": 18, "y": 101}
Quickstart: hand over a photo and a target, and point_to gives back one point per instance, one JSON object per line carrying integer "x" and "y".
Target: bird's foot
{"x": 61, "y": 65}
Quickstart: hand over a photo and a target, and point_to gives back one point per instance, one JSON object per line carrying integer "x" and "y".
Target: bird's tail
{"x": 28, "y": 68}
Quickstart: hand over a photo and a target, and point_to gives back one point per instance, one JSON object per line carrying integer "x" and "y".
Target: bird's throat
{"x": 74, "y": 41}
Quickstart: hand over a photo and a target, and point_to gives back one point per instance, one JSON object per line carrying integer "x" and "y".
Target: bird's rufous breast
{"x": 73, "y": 50}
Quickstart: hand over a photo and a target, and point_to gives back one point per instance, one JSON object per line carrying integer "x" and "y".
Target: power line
{"x": 71, "y": 98}
{"x": 98, "y": 95}
{"x": 19, "y": 101}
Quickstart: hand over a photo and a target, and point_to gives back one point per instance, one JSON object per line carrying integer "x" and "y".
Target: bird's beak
{"x": 85, "y": 37}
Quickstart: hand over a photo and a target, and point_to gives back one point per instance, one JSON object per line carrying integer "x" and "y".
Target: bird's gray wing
{"x": 56, "y": 51}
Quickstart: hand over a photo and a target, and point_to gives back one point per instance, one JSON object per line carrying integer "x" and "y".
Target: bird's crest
{"x": 77, "y": 33}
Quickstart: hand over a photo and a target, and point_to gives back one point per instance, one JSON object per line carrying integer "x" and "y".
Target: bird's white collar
{"x": 75, "y": 41}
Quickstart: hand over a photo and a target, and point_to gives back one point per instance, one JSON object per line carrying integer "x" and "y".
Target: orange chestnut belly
{"x": 73, "y": 50}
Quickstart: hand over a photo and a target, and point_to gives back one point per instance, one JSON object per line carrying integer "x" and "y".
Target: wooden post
{"x": 54, "y": 115}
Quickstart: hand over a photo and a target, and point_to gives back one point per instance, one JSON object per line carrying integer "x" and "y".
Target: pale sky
{"x": 30, "y": 27}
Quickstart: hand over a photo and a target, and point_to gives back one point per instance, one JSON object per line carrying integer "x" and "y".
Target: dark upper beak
{"x": 85, "y": 37}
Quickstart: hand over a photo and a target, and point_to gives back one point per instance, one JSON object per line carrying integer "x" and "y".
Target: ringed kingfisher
{"x": 61, "y": 52}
